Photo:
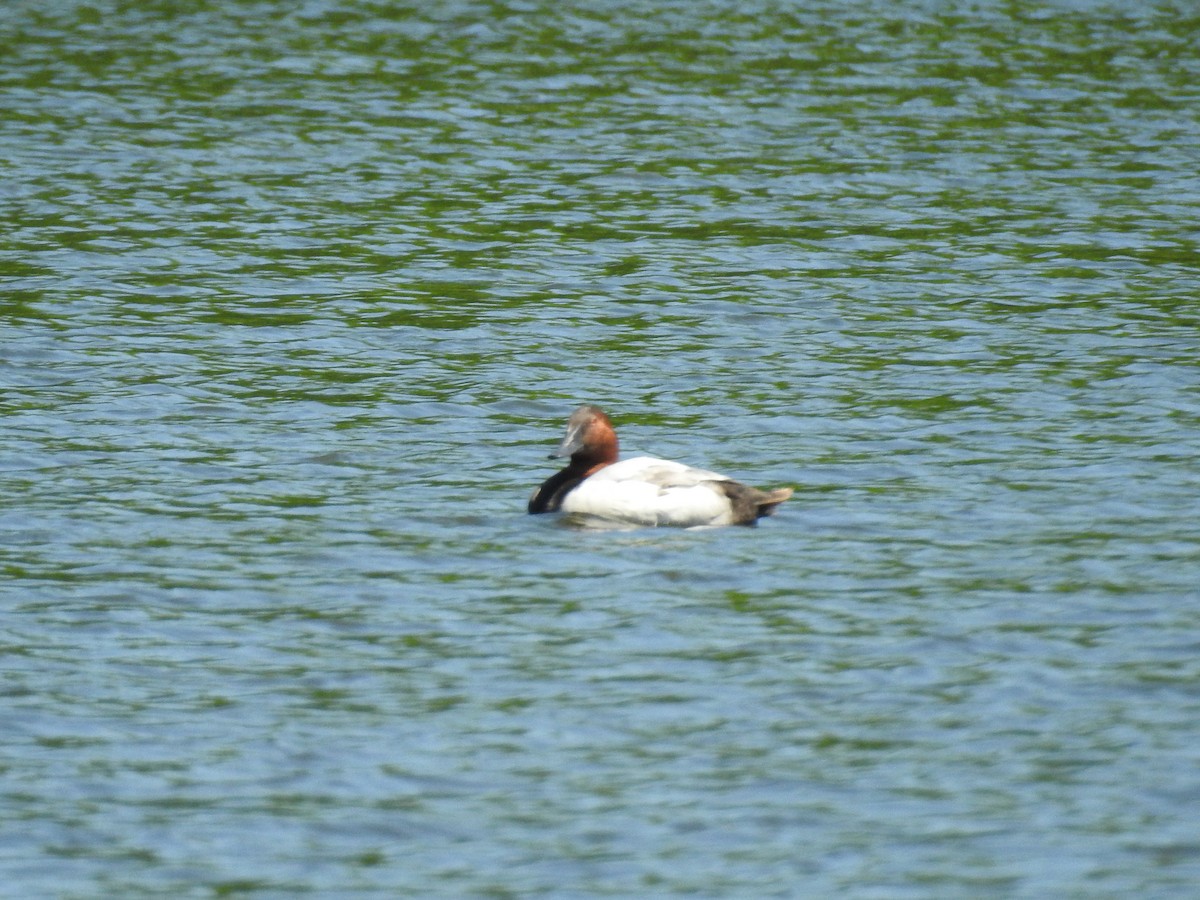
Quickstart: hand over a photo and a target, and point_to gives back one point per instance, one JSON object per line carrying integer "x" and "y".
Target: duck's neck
{"x": 601, "y": 450}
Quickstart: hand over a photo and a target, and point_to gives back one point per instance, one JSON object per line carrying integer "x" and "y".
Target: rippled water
{"x": 297, "y": 298}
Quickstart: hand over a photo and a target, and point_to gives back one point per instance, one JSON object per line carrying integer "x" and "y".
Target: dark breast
{"x": 549, "y": 497}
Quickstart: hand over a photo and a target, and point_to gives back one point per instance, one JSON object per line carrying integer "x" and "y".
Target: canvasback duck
{"x": 642, "y": 490}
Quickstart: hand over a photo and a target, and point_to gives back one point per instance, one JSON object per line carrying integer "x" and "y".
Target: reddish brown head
{"x": 590, "y": 441}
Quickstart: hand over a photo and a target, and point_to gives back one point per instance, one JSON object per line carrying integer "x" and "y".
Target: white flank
{"x": 648, "y": 491}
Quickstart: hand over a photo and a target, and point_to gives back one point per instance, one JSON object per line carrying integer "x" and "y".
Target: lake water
{"x": 298, "y": 296}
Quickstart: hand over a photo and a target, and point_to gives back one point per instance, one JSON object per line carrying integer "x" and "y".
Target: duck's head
{"x": 590, "y": 438}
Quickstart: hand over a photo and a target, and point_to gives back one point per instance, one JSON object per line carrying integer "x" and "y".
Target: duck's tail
{"x": 768, "y": 500}
{"x": 750, "y": 504}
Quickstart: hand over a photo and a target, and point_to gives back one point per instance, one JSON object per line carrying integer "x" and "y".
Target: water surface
{"x": 297, "y": 299}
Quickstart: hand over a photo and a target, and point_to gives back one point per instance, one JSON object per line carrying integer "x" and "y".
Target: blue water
{"x": 297, "y": 300}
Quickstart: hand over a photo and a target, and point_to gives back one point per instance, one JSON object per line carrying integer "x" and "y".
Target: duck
{"x": 642, "y": 490}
